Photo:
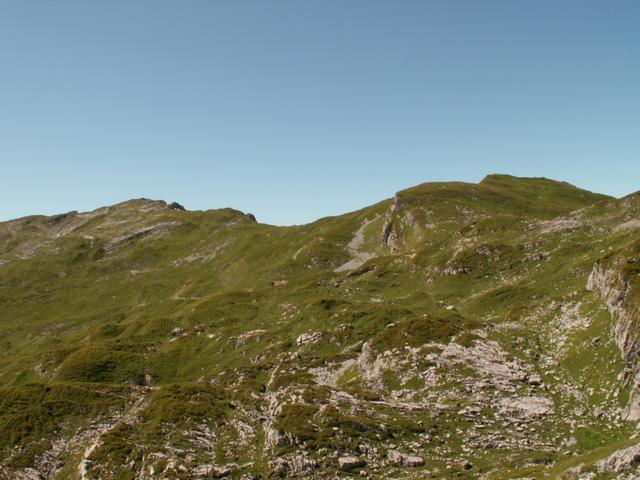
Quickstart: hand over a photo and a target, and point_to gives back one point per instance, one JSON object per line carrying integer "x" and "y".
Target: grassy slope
{"x": 87, "y": 322}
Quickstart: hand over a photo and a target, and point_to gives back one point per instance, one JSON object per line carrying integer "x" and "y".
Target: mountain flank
{"x": 456, "y": 330}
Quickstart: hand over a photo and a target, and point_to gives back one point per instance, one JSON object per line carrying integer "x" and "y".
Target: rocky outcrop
{"x": 615, "y": 291}
{"x": 488, "y": 359}
{"x": 389, "y": 237}
{"x": 128, "y": 418}
{"x": 526, "y": 408}
{"x": 175, "y": 206}
{"x": 244, "y": 338}
{"x": 272, "y": 436}
{"x": 310, "y": 337}
{"x": 350, "y": 463}
{"x": 25, "y": 474}
{"x": 160, "y": 228}
{"x": 298, "y": 466}
{"x": 402, "y": 459}
{"x": 620, "y": 460}
{"x": 215, "y": 471}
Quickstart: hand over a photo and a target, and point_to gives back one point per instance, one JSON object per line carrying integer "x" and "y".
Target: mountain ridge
{"x": 486, "y": 179}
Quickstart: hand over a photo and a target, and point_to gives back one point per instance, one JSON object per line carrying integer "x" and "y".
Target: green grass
{"x": 85, "y": 325}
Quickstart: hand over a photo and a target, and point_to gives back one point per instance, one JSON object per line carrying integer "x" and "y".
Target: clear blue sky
{"x": 295, "y": 110}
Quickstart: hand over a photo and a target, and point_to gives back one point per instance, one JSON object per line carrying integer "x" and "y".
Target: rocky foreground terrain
{"x": 458, "y": 330}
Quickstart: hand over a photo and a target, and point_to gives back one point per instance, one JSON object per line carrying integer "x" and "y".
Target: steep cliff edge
{"x": 615, "y": 280}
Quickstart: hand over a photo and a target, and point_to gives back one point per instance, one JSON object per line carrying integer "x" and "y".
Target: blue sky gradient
{"x": 294, "y": 110}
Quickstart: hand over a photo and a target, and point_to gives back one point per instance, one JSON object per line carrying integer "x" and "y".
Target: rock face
{"x": 298, "y": 466}
{"x": 526, "y": 407}
{"x": 620, "y": 461}
{"x": 614, "y": 289}
{"x": 615, "y": 292}
{"x": 389, "y": 235}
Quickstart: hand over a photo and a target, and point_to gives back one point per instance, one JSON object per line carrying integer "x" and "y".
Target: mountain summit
{"x": 457, "y": 330}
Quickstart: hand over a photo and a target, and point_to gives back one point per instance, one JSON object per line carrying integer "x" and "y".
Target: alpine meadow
{"x": 457, "y": 330}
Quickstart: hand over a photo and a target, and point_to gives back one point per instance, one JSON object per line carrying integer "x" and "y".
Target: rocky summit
{"x": 457, "y": 330}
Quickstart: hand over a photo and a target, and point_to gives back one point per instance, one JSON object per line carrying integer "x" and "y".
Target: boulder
{"x": 202, "y": 471}
{"x": 177, "y": 331}
{"x": 349, "y": 463}
{"x": 402, "y": 459}
{"x": 224, "y": 470}
{"x": 311, "y": 337}
{"x": 413, "y": 461}
{"x": 534, "y": 379}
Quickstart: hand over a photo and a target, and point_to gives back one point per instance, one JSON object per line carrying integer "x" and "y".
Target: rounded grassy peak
{"x": 543, "y": 194}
